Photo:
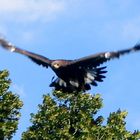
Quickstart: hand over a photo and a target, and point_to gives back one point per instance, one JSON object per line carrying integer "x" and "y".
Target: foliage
{"x": 74, "y": 117}
{"x": 9, "y": 108}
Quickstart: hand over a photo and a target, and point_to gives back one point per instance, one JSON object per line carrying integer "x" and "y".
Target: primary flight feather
{"x": 73, "y": 75}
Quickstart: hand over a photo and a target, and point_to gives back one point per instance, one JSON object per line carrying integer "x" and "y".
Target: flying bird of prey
{"x": 73, "y": 75}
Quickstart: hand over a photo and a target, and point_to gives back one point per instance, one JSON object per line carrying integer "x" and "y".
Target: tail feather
{"x": 99, "y": 76}
{"x": 94, "y": 83}
{"x": 95, "y": 75}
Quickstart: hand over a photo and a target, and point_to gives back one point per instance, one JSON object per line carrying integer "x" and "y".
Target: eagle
{"x": 73, "y": 75}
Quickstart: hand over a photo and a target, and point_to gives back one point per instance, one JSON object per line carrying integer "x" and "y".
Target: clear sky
{"x": 72, "y": 29}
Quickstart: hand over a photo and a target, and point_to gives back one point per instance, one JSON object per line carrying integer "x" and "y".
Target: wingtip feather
{"x": 136, "y": 47}
{"x": 7, "y": 45}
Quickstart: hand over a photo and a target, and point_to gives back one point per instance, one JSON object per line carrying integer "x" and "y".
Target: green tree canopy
{"x": 62, "y": 116}
{"x": 65, "y": 116}
{"x": 10, "y": 105}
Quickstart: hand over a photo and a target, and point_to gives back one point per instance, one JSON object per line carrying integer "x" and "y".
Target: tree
{"x": 10, "y": 105}
{"x": 73, "y": 116}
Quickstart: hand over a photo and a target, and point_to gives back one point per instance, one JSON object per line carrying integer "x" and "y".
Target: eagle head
{"x": 56, "y": 64}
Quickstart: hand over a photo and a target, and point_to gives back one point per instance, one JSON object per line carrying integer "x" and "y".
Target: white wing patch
{"x": 107, "y": 55}
{"x": 74, "y": 83}
{"x": 90, "y": 76}
{"x": 12, "y": 49}
{"x": 62, "y": 82}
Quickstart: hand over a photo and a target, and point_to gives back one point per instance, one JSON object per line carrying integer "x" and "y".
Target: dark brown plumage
{"x": 73, "y": 75}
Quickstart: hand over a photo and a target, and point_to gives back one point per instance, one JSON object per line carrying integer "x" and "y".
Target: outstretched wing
{"x": 40, "y": 60}
{"x": 98, "y": 59}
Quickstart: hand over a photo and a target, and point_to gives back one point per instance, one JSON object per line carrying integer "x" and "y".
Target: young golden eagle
{"x": 73, "y": 75}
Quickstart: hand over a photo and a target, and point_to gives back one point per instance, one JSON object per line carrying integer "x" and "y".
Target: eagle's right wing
{"x": 40, "y": 60}
{"x": 98, "y": 59}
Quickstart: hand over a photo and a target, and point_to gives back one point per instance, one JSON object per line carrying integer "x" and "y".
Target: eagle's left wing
{"x": 98, "y": 59}
{"x": 39, "y": 59}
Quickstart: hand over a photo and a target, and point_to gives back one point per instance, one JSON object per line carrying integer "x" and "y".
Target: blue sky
{"x": 72, "y": 29}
